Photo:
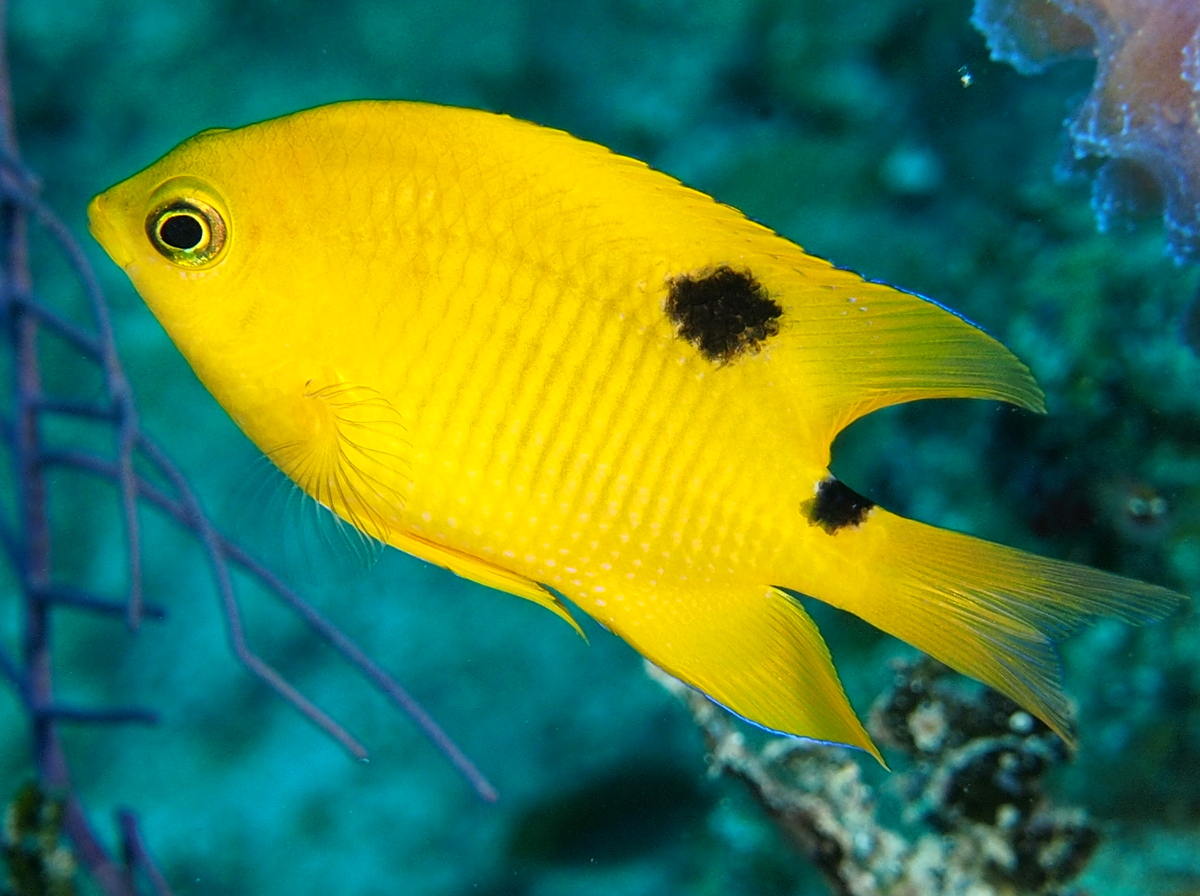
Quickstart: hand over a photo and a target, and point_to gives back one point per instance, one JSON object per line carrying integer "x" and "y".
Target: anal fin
{"x": 754, "y": 650}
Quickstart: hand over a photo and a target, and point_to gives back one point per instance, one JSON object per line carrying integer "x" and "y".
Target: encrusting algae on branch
{"x": 976, "y": 815}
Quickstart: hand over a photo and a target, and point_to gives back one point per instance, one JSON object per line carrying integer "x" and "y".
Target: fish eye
{"x": 187, "y": 232}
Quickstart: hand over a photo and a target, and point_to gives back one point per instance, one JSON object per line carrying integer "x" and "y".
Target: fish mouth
{"x": 103, "y": 230}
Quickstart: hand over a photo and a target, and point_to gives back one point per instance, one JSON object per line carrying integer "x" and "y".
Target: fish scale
{"x": 555, "y": 476}
{"x": 545, "y": 366}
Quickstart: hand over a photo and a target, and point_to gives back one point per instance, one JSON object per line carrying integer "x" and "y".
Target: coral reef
{"x": 976, "y": 817}
{"x": 1142, "y": 117}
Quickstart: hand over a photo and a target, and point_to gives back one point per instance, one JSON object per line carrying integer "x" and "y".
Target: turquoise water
{"x": 876, "y": 134}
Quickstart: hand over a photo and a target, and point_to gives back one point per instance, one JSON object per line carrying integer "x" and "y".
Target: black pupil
{"x": 181, "y": 232}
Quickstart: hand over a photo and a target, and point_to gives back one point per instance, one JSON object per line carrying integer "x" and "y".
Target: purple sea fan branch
{"x": 102, "y": 349}
{"x": 27, "y": 543}
{"x": 187, "y": 513}
{"x": 186, "y": 509}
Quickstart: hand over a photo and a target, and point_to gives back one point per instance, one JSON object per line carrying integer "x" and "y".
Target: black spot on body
{"x": 836, "y": 506}
{"x": 722, "y": 312}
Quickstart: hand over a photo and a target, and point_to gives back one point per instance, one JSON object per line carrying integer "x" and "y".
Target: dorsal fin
{"x": 856, "y": 346}
{"x": 851, "y": 346}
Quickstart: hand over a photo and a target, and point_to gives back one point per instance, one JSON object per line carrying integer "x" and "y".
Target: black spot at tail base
{"x": 722, "y": 312}
{"x": 836, "y": 506}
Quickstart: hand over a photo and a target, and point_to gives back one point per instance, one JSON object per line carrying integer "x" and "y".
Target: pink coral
{"x": 1143, "y": 114}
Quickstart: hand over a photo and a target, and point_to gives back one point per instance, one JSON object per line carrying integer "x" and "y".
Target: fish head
{"x": 171, "y": 227}
{"x": 214, "y": 237}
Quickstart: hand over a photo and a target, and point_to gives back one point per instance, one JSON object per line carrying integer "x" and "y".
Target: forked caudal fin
{"x": 989, "y": 611}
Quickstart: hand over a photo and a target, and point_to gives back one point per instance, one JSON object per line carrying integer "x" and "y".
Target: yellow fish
{"x": 556, "y": 371}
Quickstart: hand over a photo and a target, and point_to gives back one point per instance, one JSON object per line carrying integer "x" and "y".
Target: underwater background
{"x": 875, "y": 133}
